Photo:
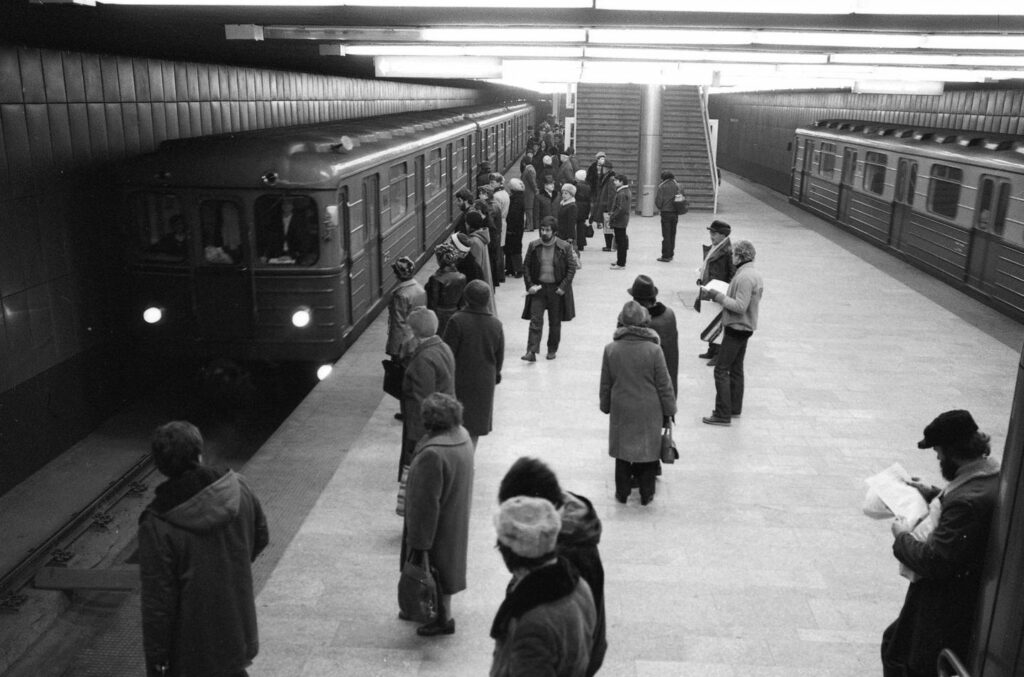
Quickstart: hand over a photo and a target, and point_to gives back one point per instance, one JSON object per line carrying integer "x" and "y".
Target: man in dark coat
{"x": 548, "y": 270}
{"x": 618, "y": 218}
{"x": 478, "y": 342}
{"x": 582, "y": 209}
{"x": 667, "y": 204}
{"x": 196, "y": 541}
{"x": 717, "y": 265}
{"x": 577, "y": 540}
{"x": 947, "y": 563}
{"x": 663, "y": 322}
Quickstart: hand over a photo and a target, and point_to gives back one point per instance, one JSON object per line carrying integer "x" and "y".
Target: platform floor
{"x": 754, "y": 557}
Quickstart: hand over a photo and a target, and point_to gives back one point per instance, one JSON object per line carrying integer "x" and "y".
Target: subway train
{"x": 950, "y": 202}
{"x": 275, "y": 245}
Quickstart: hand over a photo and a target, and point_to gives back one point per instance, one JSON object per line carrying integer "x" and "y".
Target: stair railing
{"x": 712, "y": 159}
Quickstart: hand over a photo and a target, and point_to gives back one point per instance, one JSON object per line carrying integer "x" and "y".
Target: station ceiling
{"x": 902, "y": 46}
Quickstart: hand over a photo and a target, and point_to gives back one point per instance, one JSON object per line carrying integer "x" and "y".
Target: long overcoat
{"x": 529, "y": 174}
{"x": 477, "y": 340}
{"x": 565, "y": 271}
{"x": 663, "y": 322}
{"x": 637, "y": 391}
{"x": 438, "y": 496}
{"x": 431, "y": 369}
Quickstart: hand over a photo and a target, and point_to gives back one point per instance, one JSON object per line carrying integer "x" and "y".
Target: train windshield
{"x": 220, "y": 223}
{"x": 160, "y": 230}
{"x": 286, "y": 230}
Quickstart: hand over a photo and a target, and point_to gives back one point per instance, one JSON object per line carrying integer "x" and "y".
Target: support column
{"x": 650, "y": 148}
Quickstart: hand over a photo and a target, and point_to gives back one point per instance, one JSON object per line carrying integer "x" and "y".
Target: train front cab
{"x": 960, "y": 220}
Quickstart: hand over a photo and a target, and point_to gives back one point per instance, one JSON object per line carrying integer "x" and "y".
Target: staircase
{"x": 684, "y": 145}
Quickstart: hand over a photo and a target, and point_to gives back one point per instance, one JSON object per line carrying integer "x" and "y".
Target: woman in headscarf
{"x": 444, "y": 288}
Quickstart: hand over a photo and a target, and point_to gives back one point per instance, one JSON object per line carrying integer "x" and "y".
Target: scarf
{"x": 704, "y": 266}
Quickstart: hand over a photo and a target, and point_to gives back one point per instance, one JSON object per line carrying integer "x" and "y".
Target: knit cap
{"x": 528, "y": 526}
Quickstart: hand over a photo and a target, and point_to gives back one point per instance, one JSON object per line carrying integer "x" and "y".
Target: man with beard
{"x": 548, "y": 269}
{"x": 946, "y": 563}
{"x": 463, "y": 200}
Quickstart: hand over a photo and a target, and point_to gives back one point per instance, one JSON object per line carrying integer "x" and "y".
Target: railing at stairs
{"x": 712, "y": 159}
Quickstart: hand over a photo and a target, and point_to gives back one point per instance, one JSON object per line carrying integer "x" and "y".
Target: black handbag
{"x": 417, "y": 588}
{"x": 394, "y": 373}
{"x": 590, "y": 230}
{"x": 669, "y": 453}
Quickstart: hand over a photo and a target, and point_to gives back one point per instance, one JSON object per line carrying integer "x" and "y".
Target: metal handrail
{"x": 950, "y": 666}
{"x": 712, "y": 160}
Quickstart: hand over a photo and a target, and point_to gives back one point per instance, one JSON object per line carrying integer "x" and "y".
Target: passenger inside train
{"x": 286, "y": 230}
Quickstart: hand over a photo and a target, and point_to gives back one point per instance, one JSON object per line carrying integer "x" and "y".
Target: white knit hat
{"x": 528, "y": 526}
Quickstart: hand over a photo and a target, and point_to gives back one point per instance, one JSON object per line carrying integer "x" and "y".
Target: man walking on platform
{"x": 740, "y": 306}
{"x": 548, "y": 269}
{"x": 622, "y": 204}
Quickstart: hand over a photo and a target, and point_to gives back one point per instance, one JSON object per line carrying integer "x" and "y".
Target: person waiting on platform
{"x": 947, "y": 563}
{"x": 545, "y": 625}
{"x": 477, "y": 340}
{"x": 516, "y": 225}
{"x": 717, "y": 265}
{"x": 445, "y": 286}
{"x": 577, "y": 539}
{"x": 407, "y": 294}
{"x": 431, "y": 369}
{"x": 636, "y": 391}
{"x": 740, "y": 304}
{"x": 197, "y": 539}
{"x": 438, "y": 496}
{"x": 548, "y": 270}
{"x": 668, "y": 200}
{"x": 582, "y": 210}
{"x": 618, "y": 218}
{"x": 663, "y": 322}
{"x": 565, "y": 228}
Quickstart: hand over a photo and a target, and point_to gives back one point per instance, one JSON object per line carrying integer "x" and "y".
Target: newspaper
{"x": 889, "y": 495}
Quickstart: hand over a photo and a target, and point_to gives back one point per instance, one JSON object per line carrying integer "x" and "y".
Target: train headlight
{"x": 301, "y": 317}
{"x": 323, "y": 371}
{"x": 153, "y": 314}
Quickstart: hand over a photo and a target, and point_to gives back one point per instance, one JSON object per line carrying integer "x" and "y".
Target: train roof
{"x": 302, "y": 156}
{"x": 961, "y": 144}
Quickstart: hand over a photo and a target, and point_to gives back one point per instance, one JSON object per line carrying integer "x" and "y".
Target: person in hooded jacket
{"x": 197, "y": 539}
{"x": 636, "y": 391}
{"x": 577, "y": 540}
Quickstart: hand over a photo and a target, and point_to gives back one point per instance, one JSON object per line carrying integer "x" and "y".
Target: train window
{"x": 220, "y": 224}
{"x": 286, "y": 230}
{"x": 458, "y": 162}
{"x": 161, "y": 232}
{"x": 434, "y": 172}
{"x": 827, "y": 159}
{"x": 944, "y": 190}
{"x": 912, "y": 183}
{"x": 398, "y": 191}
{"x": 993, "y": 199}
{"x": 874, "y": 172}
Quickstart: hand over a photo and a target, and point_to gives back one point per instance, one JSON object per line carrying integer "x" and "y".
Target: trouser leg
{"x": 646, "y": 473}
{"x": 537, "y": 307}
{"x": 736, "y": 378}
{"x": 668, "y": 235}
{"x": 723, "y": 376}
{"x": 623, "y": 471}
{"x": 621, "y": 246}
{"x": 554, "y": 304}
{"x": 608, "y": 239}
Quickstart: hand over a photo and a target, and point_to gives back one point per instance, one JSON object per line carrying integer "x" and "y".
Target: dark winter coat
{"x": 431, "y": 369}
{"x": 601, "y": 196}
{"x": 196, "y": 541}
{"x": 940, "y": 606}
{"x": 637, "y": 391}
{"x": 663, "y": 322}
{"x": 545, "y": 625}
{"x": 478, "y": 343}
{"x": 577, "y": 542}
{"x": 438, "y": 496}
{"x": 565, "y": 271}
{"x": 566, "y": 228}
{"x": 444, "y": 294}
{"x": 622, "y": 205}
{"x": 719, "y": 267}
{"x": 516, "y": 214}
{"x": 531, "y": 188}
{"x": 665, "y": 196}
{"x": 548, "y": 203}
{"x": 407, "y": 295}
{"x": 582, "y": 201}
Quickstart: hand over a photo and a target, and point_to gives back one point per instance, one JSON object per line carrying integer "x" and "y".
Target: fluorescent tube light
{"x": 655, "y": 54}
{"x": 823, "y": 39}
{"x": 508, "y": 51}
{"x": 906, "y": 7}
{"x": 436, "y": 67}
{"x": 486, "y": 34}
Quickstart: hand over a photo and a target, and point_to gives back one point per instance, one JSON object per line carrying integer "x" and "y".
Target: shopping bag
{"x": 417, "y": 588}
{"x": 394, "y": 372}
{"x": 669, "y": 453}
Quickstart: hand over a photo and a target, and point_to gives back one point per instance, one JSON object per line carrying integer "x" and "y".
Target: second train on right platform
{"x": 950, "y": 202}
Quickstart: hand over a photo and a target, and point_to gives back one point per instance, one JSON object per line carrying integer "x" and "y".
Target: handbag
{"x": 394, "y": 373}
{"x": 669, "y": 453}
{"x": 417, "y": 588}
{"x": 681, "y": 203}
{"x": 590, "y": 230}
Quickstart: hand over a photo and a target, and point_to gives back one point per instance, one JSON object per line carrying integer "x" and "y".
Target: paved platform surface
{"x": 754, "y": 557}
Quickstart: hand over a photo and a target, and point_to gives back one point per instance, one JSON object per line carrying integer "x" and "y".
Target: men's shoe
{"x": 550, "y": 356}
{"x": 713, "y": 361}
{"x": 398, "y": 416}
{"x": 646, "y": 500}
{"x": 736, "y": 415}
{"x": 434, "y": 628}
{"x": 530, "y": 356}
{"x": 606, "y": 249}
{"x": 708, "y": 355}
{"x": 621, "y": 498}
{"x": 616, "y": 266}
{"x": 662, "y": 259}
{"x": 715, "y": 419}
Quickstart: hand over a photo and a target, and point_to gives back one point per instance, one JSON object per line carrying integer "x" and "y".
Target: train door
{"x": 419, "y": 199}
{"x": 449, "y": 183}
{"x": 344, "y": 218}
{"x": 903, "y": 200}
{"x": 362, "y": 231}
{"x": 989, "y": 221}
{"x": 846, "y": 183}
{"x": 224, "y": 281}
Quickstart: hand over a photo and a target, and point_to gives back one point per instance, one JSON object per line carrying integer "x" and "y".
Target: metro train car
{"x": 276, "y": 245}
{"x": 950, "y": 202}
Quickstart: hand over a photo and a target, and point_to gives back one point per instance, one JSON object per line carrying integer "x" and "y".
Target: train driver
{"x": 287, "y": 233}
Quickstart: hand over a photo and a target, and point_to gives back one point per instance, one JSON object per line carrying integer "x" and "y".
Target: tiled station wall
{"x": 756, "y": 130}
{"x": 65, "y": 119}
